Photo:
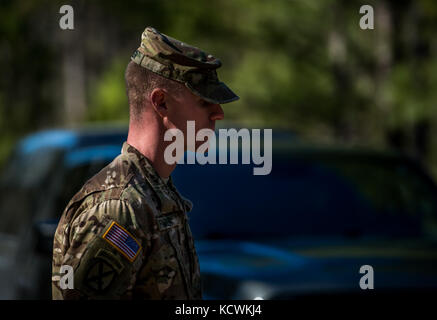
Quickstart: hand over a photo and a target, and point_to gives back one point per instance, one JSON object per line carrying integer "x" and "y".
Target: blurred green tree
{"x": 303, "y": 65}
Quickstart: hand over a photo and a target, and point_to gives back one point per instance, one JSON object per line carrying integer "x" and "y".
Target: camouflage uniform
{"x": 126, "y": 232}
{"x": 130, "y": 193}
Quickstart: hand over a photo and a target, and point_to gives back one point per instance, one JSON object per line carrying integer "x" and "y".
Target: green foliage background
{"x": 303, "y": 65}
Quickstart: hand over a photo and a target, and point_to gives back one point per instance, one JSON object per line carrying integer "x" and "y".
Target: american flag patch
{"x": 122, "y": 240}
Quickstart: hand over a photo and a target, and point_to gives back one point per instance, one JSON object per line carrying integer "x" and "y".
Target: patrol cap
{"x": 181, "y": 62}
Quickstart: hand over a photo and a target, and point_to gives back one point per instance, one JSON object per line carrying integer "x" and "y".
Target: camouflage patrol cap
{"x": 181, "y": 62}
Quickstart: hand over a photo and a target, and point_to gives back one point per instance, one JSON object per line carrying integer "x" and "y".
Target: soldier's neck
{"x": 149, "y": 140}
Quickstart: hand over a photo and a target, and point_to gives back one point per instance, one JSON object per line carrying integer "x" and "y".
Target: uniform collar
{"x": 169, "y": 196}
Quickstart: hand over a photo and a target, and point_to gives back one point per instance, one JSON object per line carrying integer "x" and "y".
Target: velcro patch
{"x": 123, "y": 241}
{"x": 110, "y": 258}
{"x": 169, "y": 220}
{"x": 100, "y": 276}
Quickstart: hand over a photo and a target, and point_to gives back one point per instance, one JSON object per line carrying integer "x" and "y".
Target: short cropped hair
{"x": 139, "y": 83}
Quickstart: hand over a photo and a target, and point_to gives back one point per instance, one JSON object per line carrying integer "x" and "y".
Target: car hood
{"x": 321, "y": 264}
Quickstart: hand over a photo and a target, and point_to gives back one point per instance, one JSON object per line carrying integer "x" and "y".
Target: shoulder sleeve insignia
{"x": 122, "y": 240}
{"x": 100, "y": 276}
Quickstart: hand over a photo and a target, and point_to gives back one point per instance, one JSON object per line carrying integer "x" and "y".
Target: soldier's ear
{"x": 157, "y": 99}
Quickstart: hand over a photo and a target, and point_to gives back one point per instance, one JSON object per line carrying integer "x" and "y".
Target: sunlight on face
{"x": 184, "y": 106}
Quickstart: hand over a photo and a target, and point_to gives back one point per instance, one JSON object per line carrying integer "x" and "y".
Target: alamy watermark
{"x": 67, "y": 20}
{"x": 366, "y": 281}
{"x": 366, "y": 21}
{"x": 66, "y": 281}
{"x": 206, "y": 152}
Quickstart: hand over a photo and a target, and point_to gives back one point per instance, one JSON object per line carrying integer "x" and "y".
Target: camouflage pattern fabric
{"x": 128, "y": 194}
{"x": 184, "y": 63}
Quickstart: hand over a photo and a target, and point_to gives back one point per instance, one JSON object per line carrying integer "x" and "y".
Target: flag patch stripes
{"x": 122, "y": 240}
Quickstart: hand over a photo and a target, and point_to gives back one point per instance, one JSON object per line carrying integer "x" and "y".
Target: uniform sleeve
{"x": 105, "y": 253}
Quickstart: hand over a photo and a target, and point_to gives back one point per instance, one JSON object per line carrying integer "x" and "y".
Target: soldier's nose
{"x": 217, "y": 113}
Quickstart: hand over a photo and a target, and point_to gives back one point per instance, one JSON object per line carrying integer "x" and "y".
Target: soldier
{"x": 125, "y": 233}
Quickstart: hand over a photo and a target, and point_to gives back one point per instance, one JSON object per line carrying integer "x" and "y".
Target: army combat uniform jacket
{"x": 125, "y": 235}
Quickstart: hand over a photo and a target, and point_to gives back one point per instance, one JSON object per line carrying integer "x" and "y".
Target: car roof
{"x": 67, "y": 139}
{"x": 284, "y": 144}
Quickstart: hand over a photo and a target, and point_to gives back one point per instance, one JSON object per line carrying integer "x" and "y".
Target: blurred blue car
{"x": 305, "y": 229}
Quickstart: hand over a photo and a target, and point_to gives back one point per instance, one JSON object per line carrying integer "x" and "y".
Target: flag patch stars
{"x": 122, "y": 240}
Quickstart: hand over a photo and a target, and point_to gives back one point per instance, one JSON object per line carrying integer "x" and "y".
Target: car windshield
{"x": 23, "y": 183}
{"x": 311, "y": 196}
{"x": 39, "y": 184}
